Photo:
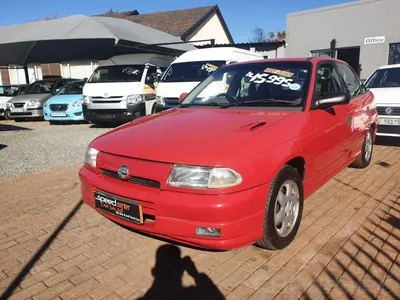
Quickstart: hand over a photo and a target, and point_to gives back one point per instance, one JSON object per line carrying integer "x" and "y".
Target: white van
{"x": 192, "y": 67}
{"x": 123, "y": 87}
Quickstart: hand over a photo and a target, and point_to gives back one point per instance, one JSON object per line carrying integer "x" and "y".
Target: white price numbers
{"x": 267, "y": 78}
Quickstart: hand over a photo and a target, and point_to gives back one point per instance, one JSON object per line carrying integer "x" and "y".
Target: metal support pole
{"x": 26, "y": 74}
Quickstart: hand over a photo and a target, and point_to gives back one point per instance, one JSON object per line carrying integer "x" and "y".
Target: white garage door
{"x": 17, "y": 74}
{"x": 78, "y": 69}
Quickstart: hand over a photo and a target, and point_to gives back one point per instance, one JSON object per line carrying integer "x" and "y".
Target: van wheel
{"x": 364, "y": 159}
{"x": 283, "y": 210}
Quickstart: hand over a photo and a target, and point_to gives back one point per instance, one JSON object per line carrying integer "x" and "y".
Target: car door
{"x": 331, "y": 124}
{"x": 359, "y": 107}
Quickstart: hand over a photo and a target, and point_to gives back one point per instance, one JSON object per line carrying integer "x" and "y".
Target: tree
{"x": 259, "y": 35}
{"x": 52, "y": 17}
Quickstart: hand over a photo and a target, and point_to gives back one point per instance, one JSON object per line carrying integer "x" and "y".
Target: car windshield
{"x": 120, "y": 73}
{"x": 39, "y": 87}
{"x": 71, "y": 88}
{"x": 191, "y": 71}
{"x": 8, "y": 90}
{"x": 384, "y": 78}
{"x": 267, "y": 84}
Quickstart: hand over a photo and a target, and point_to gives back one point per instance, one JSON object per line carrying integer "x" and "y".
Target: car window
{"x": 384, "y": 78}
{"x": 328, "y": 80}
{"x": 191, "y": 71}
{"x": 59, "y": 86}
{"x": 352, "y": 82}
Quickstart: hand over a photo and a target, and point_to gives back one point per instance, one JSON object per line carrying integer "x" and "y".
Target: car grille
{"x": 382, "y": 111}
{"x": 389, "y": 129}
{"x": 19, "y": 105}
{"x": 135, "y": 180}
{"x": 111, "y": 97}
{"x": 58, "y": 107}
{"x": 106, "y": 101}
{"x": 171, "y": 100}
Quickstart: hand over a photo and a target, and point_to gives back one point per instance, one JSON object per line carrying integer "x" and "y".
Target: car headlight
{"x": 203, "y": 177}
{"x": 86, "y": 100}
{"x": 160, "y": 101}
{"x": 9, "y": 104}
{"x": 91, "y": 157}
{"x": 45, "y": 104}
{"x": 134, "y": 99}
{"x": 34, "y": 103}
{"x": 78, "y": 103}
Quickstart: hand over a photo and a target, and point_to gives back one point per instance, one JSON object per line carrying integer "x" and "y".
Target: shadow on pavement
{"x": 385, "y": 280}
{"x": 2, "y": 146}
{"x": 387, "y": 141}
{"x": 21, "y": 275}
{"x": 168, "y": 272}
{"x": 7, "y": 127}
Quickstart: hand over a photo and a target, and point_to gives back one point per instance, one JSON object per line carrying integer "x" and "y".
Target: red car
{"x": 234, "y": 162}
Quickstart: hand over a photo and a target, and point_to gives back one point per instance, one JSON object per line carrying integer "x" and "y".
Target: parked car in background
{"x": 228, "y": 169}
{"x": 384, "y": 83}
{"x": 66, "y": 105}
{"x": 123, "y": 87}
{"x": 6, "y": 93}
{"x": 29, "y": 104}
{"x": 192, "y": 67}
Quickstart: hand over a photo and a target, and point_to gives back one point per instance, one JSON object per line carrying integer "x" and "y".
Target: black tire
{"x": 6, "y": 116}
{"x": 19, "y": 120}
{"x": 364, "y": 160}
{"x": 153, "y": 109}
{"x": 271, "y": 239}
{"x": 52, "y": 123}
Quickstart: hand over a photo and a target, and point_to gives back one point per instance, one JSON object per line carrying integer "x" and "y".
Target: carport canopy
{"x": 81, "y": 37}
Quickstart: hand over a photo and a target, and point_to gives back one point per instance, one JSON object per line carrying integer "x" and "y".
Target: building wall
{"x": 349, "y": 24}
{"x": 51, "y": 69}
{"x": 212, "y": 29}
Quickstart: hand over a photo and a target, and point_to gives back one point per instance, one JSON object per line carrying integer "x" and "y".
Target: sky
{"x": 241, "y": 16}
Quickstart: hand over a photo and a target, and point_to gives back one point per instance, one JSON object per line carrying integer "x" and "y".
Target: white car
{"x": 6, "y": 93}
{"x": 384, "y": 83}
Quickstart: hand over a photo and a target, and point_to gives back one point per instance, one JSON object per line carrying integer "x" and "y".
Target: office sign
{"x": 374, "y": 40}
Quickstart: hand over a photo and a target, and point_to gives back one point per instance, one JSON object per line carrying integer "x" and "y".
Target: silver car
{"x": 29, "y": 104}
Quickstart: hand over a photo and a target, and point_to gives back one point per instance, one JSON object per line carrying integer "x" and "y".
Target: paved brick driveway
{"x": 51, "y": 246}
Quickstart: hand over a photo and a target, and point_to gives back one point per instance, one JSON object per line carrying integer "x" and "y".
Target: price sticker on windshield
{"x": 209, "y": 67}
{"x": 268, "y": 78}
{"x": 278, "y": 72}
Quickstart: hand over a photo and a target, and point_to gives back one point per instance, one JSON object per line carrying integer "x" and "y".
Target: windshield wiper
{"x": 268, "y": 100}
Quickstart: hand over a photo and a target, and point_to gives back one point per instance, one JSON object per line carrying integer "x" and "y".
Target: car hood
{"x": 174, "y": 89}
{"x": 386, "y": 96}
{"x": 38, "y": 97}
{"x": 64, "y": 99}
{"x": 111, "y": 89}
{"x": 202, "y": 136}
{"x": 4, "y": 99}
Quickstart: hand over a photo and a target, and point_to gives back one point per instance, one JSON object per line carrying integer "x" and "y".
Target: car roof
{"x": 390, "y": 66}
{"x": 313, "y": 60}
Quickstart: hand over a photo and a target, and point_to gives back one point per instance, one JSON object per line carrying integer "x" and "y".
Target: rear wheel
{"x": 283, "y": 210}
{"x": 364, "y": 159}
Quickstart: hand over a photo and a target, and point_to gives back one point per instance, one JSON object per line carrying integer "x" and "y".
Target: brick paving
{"x": 53, "y": 247}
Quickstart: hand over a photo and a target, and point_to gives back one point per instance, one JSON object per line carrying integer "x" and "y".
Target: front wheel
{"x": 283, "y": 210}
{"x": 364, "y": 159}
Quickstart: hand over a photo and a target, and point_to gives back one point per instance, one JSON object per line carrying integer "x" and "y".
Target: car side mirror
{"x": 183, "y": 96}
{"x": 333, "y": 98}
{"x": 149, "y": 79}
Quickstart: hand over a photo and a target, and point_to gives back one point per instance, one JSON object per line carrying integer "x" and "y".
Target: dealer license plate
{"x": 17, "y": 110}
{"x": 389, "y": 121}
{"x": 119, "y": 207}
{"x": 58, "y": 114}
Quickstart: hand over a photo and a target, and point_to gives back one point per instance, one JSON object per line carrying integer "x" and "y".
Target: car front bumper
{"x": 71, "y": 114}
{"x": 32, "y": 113}
{"x": 176, "y": 215}
{"x": 115, "y": 115}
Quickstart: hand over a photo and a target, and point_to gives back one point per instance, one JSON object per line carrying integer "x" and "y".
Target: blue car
{"x": 66, "y": 105}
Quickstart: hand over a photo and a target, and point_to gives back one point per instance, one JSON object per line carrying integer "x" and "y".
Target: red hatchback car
{"x": 234, "y": 162}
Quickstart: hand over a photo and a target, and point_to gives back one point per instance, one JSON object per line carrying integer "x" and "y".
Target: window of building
{"x": 394, "y": 54}
{"x": 322, "y": 53}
